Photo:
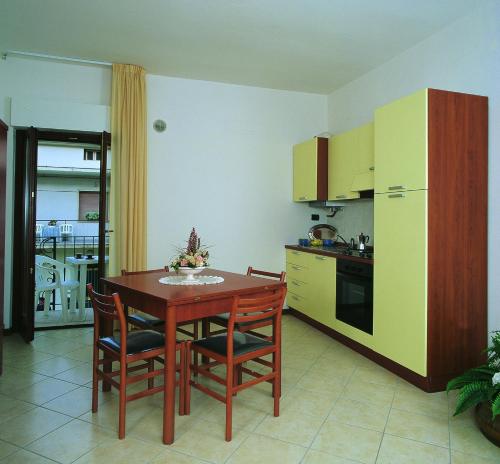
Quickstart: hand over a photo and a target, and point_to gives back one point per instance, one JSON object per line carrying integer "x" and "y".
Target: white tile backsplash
{"x": 355, "y": 218}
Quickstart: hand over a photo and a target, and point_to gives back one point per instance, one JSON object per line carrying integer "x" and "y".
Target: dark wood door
{"x": 3, "y": 166}
{"x": 104, "y": 186}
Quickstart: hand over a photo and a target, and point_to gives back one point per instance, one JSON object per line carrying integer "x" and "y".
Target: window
{"x": 88, "y": 203}
{"x": 91, "y": 155}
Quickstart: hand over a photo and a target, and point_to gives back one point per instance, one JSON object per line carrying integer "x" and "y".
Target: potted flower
{"x": 480, "y": 387}
{"x": 192, "y": 259}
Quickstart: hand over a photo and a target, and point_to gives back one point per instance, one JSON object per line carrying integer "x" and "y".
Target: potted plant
{"x": 480, "y": 387}
{"x": 52, "y": 223}
{"x": 192, "y": 259}
{"x": 92, "y": 216}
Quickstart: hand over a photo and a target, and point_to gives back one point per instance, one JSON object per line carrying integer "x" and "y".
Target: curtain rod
{"x": 54, "y": 57}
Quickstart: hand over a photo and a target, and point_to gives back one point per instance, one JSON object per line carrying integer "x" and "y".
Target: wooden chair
{"x": 223, "y": 319}
{"x": 148, "y": 322}
{"x": 235, "y": 348}
{"x": 143, "y": 345}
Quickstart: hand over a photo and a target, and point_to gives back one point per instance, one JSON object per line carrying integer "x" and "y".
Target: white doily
{"x": 200, "y": 280}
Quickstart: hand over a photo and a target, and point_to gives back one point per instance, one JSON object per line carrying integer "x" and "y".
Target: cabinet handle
{"x": 294, "y": 282}
{"x": 372, "y": 168}
{"x": 294, "y": 297}
{"x": 322, "y": 258}
{"x": 396, "y": 187}
{"x": 340, "y": 196}
{"x": 302, "y": 198}
{"x": 397, "y": 195}
{"x": 297, "y": 268}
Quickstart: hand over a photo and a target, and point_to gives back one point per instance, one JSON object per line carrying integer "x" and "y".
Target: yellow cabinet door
{"x": 342, "y": 151}
{"x": 305, "y": 165}
{"x": 401, "y": 144}
{"x": 400, "y": 278}
{"x": 322, "y": 289}
{"x": 364, "y": 159}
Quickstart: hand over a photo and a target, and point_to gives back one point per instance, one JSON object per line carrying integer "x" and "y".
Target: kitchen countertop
{"x": 334, "y": 252}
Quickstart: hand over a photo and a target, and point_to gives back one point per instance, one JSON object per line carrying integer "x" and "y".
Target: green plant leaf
{"x": 472, "y": 394}
{"x": 478, "y": 373}
{"x": 495, "y": 406}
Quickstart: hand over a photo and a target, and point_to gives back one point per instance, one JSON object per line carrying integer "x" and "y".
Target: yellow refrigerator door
{"x": 400, "y": 278}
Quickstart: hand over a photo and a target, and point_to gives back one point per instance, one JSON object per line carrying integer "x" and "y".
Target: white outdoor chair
{"x": 66, "y": 230}
{"x": 49, "y": 276}
{"x": 38, "y": 230}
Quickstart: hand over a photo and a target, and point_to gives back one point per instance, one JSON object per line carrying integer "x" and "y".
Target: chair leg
{"x": 46, "y": 303}
{"x": 205, "y": 332}
{"x": 195, "y": 337}
{"x": 64, "y": 304}
{"x": 237, "y": 376}
{"x": 277, "y": 384}
{"x": 229, "y": 402}
{"x": 187, "y": 385}
{"x": 151, "y": 368}
{"x": 95, "y": 380}
{"x": 122, "y": 399}
{"x": 182, "y": 380}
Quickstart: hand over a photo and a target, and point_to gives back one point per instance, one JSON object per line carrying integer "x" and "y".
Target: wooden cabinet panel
{"x": 400, "y": 278}
{"x": 401, "y": 144}
{"x": 310, "y": 170}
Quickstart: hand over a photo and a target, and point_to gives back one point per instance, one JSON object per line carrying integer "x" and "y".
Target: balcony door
{"x": 55, "y": 227}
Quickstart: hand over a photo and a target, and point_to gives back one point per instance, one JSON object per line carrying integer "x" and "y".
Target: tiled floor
{"x": 337, "y": 408}
{"x": 53, "y": 318}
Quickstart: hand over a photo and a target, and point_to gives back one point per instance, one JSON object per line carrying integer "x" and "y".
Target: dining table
{"x": 181, "y": 303}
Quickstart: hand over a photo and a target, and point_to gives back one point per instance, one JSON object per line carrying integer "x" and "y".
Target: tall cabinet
{"x": 3, "y": 169}
{"x": 430, "y": 220}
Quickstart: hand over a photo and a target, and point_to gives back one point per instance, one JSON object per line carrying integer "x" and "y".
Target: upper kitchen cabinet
{"x": 401, "y": 144}
{"x": 350, "y": 163}
{"x": 310, "y": 170}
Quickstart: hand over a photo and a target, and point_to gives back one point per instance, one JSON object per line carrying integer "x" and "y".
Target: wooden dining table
{"x": 182, "y": 303}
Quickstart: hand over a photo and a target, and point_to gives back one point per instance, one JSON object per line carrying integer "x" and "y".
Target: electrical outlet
{"x": 314, "y": 217}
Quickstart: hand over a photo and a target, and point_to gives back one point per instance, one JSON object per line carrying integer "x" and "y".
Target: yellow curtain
{"x": 128, "y": 170}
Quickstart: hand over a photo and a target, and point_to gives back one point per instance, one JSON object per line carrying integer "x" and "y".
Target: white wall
{"x": 464, "y": 57}
{"x": 224, "y": 166}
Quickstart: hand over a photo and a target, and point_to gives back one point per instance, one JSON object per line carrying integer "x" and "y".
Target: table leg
{"x": 169, "y": 378}
{"x": 83, "y": 289}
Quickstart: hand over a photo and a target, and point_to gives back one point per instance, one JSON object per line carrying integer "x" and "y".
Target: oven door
{"x": 355, "y": 301}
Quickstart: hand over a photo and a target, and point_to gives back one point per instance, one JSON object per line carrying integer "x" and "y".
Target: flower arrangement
{"x": 193, "y": 256}
{"x": 480, "y": 384}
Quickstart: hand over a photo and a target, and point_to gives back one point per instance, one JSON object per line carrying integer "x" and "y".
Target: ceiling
{"x": 305, "y": 45}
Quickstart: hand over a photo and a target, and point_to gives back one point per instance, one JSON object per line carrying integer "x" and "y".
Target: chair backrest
{"x": 66, "y": 229}
{"x": 273, "y": 275}
{"x": 254, "y": 310}
{"x": 151, "y": 271}
{"x": 38, "y": 230}
{"x": 107, "y": 307}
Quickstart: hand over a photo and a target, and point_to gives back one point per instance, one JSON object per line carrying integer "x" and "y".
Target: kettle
{"x": 363, "y": 240}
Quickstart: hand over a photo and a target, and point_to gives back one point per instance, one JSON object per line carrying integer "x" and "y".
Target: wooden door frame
{"x": 21, "y": 266}
{"x": 3, "y": 172}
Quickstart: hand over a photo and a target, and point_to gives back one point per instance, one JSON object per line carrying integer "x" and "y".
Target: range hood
{"x": 328, "y": 204}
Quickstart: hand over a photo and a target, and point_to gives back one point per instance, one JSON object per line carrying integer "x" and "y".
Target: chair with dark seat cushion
{"x": 249, "y": 327}
{"x": 235, "y": 348}
{"x": 143, "y": 345}
{"x": 145, "y": 321}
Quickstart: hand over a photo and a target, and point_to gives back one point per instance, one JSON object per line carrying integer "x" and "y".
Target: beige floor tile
{"x": 26, "y": 457}
{"x": 361, "y": 414}
{"x": 127, "y": 451}
{"x": 31, "y": 425}
{"x": 369, "y": 392}
{"x": 14, "y": 379}
{"x": 376, "y": 374}
{"x": 319, "y": 381}
{"x": 319, "y": 457}
{"x": 54, "y": 366}
{"x": 10, "y": 407}
{"x": 80, "y": 354}
{"x": 257, "y": 449}
{"x": 173, "y": 457}
{"x": 6, "y": 449}
{"x": 70, "y": 441}
{"x": 107, "y": 414}
{"x": 470, "y": 440}
{"x": 347, "y": 441}
{"x": 428, "y": 429}
{"x": 291, "y": 426}
{"x": 205, "y": 440}
{"x": 462, "y": 458}
{"x": 395, "y": 450}
{"x": 312, "y": 403}
{"x": 44, "y": 391}
{"x": 74, "y": 403}
{"x": 27, "y": 359}
{"x": 55, "y": 347}
{"x": 412, "y": 399}
{"x": 80, "y": 374}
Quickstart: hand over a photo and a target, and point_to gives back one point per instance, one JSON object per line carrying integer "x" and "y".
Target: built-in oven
{"x": 355, "y": 294}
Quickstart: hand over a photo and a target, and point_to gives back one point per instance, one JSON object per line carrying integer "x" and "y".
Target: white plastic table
{"x": 80, "y": 268}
